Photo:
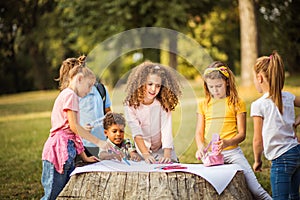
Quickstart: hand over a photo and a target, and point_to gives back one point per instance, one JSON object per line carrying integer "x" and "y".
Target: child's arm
{"x": 142, "y": 147}
{"x": 199, "y": 136}
{"x": 297, "y": 120}
{"x": 88, "y": 159}
{"x": 297, "y": 101}
{"x": 257, "y": 142}
{"x": 239, "y": 137}
{"x": 104, "y": 155}
{"x": 77, "y": 129}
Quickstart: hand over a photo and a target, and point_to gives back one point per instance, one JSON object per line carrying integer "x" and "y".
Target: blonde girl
{"x": 274, "y": 117}
{"x": 64, "y": 141}
{"x": 91, "y": 106}
{"x": 152, "y": 93}
{"x": 223, "y": 112}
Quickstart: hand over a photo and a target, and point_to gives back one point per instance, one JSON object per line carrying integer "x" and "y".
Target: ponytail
{"x": 65, "y": 69}
{"x": 276, "y": 79}
{"x": 273, "y": 69}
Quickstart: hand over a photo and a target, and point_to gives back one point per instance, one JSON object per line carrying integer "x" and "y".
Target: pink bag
{"x": 212, "y": 158}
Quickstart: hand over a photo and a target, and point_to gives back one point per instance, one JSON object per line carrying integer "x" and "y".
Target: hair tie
{"x": 156, "y": 67}
{"x": 221, "y": 69}
{"x": 271, "y": 56}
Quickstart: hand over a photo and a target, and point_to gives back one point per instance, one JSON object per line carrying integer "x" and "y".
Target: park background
{"x": 37, "y": 35}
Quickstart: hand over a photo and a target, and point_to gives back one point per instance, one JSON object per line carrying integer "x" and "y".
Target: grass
{"x": 25, "y": 124}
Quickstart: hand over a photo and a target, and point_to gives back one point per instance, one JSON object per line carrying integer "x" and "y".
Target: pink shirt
{"x": 55, "y": 149}
{"x": 153, "y": 123}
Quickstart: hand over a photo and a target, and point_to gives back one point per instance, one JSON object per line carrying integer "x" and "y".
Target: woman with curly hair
{"x": 152, "y": 93}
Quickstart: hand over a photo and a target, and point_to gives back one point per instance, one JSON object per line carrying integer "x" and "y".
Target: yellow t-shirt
{"x": 220, "y": 118}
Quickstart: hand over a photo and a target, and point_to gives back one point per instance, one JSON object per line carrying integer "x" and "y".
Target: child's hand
{"x": 297, "y": 121}
{"x": 164, "y": 160}
{"x": 135, "y": 156}
{"x": 88, "y": 127}
{"x": 257, "y": 166}
{"x": 149, "y": 158}
{"x": 200, "y": 153}
{"x": 221, "y": 145}
{"x": 104, "y": 155}
{"x": 91, "y": 159}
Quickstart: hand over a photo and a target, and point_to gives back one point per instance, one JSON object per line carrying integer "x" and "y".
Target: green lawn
{"x": 25, "y": 124}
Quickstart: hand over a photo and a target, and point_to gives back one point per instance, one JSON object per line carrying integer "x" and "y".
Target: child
{"x": 114, "y": 125}
{"x": 223, "y": 112}
{"x": 273, "y": 118}
{"x": 64, "y": 142}
{"x": 90, "y": 106}
{"x": 152, "y": 93}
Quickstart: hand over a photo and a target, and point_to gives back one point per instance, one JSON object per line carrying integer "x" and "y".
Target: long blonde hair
{"x": 272, "y": 68}
{"x": 67, "y": 65}
{"x": 217, "y": 70}
{"x": 170, "y": 90}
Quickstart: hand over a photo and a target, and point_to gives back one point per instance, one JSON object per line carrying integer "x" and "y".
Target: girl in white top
{"x": 152, "y": 93}
{"x": 274, "y": 120}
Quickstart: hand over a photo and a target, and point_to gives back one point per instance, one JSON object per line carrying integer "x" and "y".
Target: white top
{"x": 277, "y": 132}
{"x": 153, "y": 123}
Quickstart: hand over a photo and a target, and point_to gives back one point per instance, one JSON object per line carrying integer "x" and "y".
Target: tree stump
{"x": 150, "y": 185}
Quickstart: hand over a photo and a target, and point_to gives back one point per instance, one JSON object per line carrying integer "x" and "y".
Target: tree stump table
{"x": 150, "y": 185}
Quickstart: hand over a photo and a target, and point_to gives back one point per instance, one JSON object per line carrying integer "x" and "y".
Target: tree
{"x": 249, "y": 48}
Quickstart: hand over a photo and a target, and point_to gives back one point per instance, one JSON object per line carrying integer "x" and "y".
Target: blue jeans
{"x": 285, "y": 175}
{"x": 52, "y": 181}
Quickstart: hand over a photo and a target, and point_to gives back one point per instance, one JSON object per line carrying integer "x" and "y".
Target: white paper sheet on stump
{"x": 218, "y": 176}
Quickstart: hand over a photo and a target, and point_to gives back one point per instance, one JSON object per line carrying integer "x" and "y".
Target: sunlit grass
{"x": 25, "y": 125}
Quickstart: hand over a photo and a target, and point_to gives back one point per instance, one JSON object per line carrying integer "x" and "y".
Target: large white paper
{"x": 218, "y": 176}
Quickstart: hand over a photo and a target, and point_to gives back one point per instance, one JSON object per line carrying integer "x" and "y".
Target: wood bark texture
{"x": 154, "y": 185}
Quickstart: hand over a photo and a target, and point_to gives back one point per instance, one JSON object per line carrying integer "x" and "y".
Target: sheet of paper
{"x": 218, "y": 176}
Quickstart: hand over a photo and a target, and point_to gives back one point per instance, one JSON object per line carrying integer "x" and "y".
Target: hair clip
{"x": 156, "y": 67}
{"x": 222, "y": 69}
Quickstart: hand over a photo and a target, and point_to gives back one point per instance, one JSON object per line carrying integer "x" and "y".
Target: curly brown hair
{"x": 112, "y": 118}
{"x": 170, "y": 90}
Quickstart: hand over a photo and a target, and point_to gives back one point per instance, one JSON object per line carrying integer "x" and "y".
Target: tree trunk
{"x": 154, "y": 185}
{"x": 249, "y": 49}
{"x": 172, "y": 52}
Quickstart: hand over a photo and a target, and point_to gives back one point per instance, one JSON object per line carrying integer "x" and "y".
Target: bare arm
{"x": 88, "y": 159}
{"x": 241, "y": 133}
{"x": 297, "y": 101}
{"x": 144, "y": 150}
{"x": 257, "y": 142}
{"x": 297, "y": 119}
{"x": 199, "y": 136}
{"x": 107, "y": 110}
{"x": 82, "y": 132}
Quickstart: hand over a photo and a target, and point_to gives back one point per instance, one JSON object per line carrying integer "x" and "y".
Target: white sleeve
{"x": 132, "y": 121}
{"x": 255, "y": 109}
{"x": 166, "y": 129}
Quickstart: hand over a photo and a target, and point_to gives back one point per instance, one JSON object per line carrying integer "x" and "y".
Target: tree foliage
{"x": 36, "y": 35}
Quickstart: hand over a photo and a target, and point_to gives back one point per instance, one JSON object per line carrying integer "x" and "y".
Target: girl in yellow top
{"x": 223, "y": 112}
